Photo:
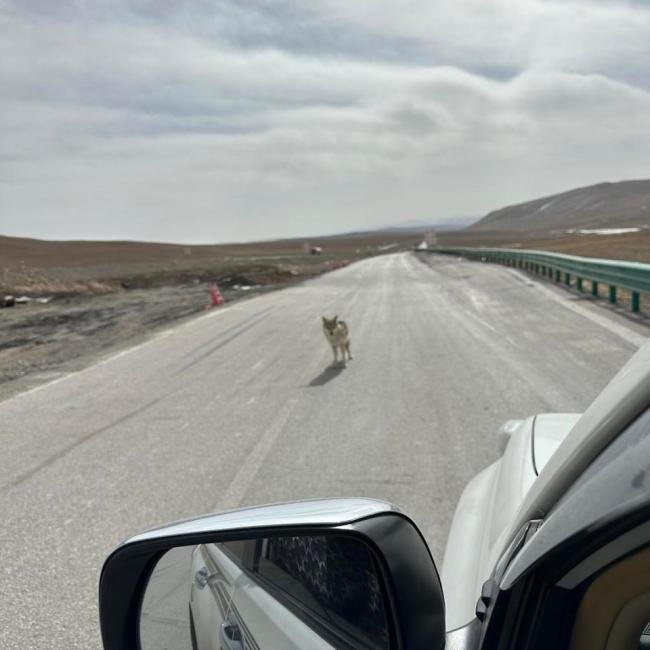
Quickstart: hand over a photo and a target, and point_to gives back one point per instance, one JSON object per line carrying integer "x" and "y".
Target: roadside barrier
{"x": 615, "y": 274}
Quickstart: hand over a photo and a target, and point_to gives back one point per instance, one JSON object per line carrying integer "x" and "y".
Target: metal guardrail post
{"x": 567, "y": 279}
{"x": 594, "y": 288}
{"x": 557, "y": 275}
{"x": 612, "y": 294}
{"x": 636, "y": 302}
{"x": 579, "y": 284}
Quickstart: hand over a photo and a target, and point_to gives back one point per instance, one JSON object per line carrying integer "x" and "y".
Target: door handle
{"x": 201, "y": 577}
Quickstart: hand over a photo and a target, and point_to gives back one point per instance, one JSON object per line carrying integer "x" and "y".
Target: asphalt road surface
{"x": 239, "y": 407}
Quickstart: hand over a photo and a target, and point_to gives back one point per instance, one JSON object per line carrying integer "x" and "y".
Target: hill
{"x": 607, "y": 205}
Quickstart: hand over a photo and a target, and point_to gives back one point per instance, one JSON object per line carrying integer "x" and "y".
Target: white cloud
{"x": 145, "y": 126}
{"x": 579, "y": 35}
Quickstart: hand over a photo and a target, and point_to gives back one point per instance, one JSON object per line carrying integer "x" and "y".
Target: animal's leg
{"x": 343, "y": 359}
{"x": 335, "y": 351}
{"x": 347, "y": 347}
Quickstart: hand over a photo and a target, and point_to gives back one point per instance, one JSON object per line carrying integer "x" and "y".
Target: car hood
{"x": 625, "y": 398}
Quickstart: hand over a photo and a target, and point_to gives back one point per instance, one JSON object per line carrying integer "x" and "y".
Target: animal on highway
{"x": 337, "y": 334}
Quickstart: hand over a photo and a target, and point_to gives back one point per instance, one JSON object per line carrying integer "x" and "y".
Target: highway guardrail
{"x": 615, "y": 274}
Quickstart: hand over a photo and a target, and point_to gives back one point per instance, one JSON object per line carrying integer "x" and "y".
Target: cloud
{"x": 218, "y": 121}
{"x": 573, "y": 35}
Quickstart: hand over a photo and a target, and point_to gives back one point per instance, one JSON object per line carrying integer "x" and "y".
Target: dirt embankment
{"x": 34, "y": 267}
{"x": 40, "y": 341}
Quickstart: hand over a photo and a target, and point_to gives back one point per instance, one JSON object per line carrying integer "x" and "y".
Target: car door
{"x": 214, "y": 575}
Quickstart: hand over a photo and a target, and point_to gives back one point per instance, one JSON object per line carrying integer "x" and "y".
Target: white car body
{"x": 487, "y": 506}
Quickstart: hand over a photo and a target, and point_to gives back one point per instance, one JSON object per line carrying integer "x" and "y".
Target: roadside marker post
{"x": 216, "y": 298}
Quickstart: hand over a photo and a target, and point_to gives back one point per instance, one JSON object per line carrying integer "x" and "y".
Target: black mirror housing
{"x": 413, "y": 587}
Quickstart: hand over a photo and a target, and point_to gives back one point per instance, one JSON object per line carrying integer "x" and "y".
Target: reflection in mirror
{"x": 307, "y": 591}
{"x": 644, "y": 643}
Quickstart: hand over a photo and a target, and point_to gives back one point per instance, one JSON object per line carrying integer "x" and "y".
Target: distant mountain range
{"x": 407, "y": 228}
{"x": 607, "y": 205}
{"x": 424, "y": 226}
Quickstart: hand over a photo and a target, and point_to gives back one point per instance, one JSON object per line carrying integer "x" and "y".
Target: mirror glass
{"x": 644, "y": 643}
{"x": 307, "y": 591}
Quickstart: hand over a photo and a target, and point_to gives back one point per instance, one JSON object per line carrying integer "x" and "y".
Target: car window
{"x": 330, "y": 581}
{"x": 347, "y": 592}
{"x": 615, "y": 607}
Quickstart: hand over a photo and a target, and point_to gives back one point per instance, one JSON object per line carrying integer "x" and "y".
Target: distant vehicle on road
{"x": 549, "y": 548}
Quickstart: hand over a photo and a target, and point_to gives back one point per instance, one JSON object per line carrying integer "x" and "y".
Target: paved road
{"x": 239, "y": 407}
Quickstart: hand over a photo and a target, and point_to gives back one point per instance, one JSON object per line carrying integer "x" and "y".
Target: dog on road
{"x": 337, "y": 334}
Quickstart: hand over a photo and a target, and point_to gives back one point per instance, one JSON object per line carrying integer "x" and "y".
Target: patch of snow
{"x": 546, "y": 205}
{"x": 605, "y": 231}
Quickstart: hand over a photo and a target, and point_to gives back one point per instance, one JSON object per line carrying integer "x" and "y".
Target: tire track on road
{"x": 21, "y": 478}
{"x": 237, "y": 330}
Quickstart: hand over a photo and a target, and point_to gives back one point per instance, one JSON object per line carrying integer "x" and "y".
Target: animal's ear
{"x": 324, "y": 320}
{"x": 335, "y": 319}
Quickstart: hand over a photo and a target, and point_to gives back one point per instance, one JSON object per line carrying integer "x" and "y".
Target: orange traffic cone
{"x": 216, "y": 298}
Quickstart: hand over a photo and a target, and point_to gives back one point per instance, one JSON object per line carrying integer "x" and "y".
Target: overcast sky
{"x": 208, "y": 121}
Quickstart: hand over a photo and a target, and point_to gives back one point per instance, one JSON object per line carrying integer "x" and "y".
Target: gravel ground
{"x": 40, "y": 342}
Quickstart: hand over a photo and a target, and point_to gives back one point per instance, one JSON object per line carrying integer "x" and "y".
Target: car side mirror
{"x": 332, "y": 573}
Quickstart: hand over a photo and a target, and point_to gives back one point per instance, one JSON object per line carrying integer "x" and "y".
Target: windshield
{"x": 270, "y": 251}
